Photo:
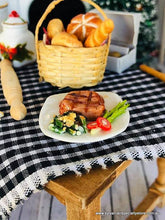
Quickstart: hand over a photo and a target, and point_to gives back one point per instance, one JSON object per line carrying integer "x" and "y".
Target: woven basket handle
{"x": 50, "y": 7}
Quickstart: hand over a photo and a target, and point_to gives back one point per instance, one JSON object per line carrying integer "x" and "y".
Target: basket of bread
{"x": 75, "y": 56}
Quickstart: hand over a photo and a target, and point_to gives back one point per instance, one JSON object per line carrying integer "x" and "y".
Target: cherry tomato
{"x": 103, "y": 123}
{"x": 92, "y": 125}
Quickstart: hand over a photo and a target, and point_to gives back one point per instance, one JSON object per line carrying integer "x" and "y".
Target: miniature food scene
{"x": 82, "y": 96}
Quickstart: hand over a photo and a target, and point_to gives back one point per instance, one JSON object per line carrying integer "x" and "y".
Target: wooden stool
{"x": 155, "y": 196}
{"x": 82, "y": 194}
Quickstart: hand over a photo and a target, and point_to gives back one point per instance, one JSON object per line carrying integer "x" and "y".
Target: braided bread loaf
{"x": 100, "y": 34}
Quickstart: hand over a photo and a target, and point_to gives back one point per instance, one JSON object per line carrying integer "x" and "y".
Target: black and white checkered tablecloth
{"x": 29, "y": 159}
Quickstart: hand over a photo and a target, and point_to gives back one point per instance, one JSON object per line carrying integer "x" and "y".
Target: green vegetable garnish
{"x": 83, "y": 122}
{"x": 58, "y": 123}
{"x": 71, "y": 131}
{"x": 118, "y": 110}
{"x": 69, "y": 122}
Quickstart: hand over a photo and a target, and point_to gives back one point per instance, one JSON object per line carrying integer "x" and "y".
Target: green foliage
{"x": 147, "y": 34}
{"x": 22, "y": 53}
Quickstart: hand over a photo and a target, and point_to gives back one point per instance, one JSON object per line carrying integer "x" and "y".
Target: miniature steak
{"x": 88, "y": 103}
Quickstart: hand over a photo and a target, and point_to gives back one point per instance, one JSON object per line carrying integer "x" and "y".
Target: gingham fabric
{"x": 29, "y": 159}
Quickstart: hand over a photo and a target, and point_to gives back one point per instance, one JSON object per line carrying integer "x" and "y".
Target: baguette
{"x": 12, "y": 90}
{"x": 100, "y": 34}
{"x": 152, "y": 72}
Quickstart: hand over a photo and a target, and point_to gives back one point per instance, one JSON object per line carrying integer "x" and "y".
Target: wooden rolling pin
{"x": 152, "y": 72}
{"x": 12, "y": 90}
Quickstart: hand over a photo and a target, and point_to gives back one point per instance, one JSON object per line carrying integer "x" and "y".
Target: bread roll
{"x": 99, "y": 35}
{"x": 67, "y": 40}
{"x": 82, "y": 24}
{"x": 54, "y": 26}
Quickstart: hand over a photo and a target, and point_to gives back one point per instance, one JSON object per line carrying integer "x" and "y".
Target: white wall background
{"x": 21, "y": 6}
{"x": 161, "y": 8}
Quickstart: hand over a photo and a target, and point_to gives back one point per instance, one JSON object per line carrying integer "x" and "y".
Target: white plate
{"x": 51, "y": 108}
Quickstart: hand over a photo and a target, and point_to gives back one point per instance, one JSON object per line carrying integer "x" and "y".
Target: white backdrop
{"x": 21, "y": 6}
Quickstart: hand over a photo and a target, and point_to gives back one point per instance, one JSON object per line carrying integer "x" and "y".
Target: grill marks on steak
{"x": 88, "y": 103}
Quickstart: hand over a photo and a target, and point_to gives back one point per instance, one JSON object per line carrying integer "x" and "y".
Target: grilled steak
{"x": 88, "y": 103}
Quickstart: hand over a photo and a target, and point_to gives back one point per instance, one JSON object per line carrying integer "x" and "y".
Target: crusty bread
{"x": 99, "y": 35}
{"x": 67, "y": 40}
{"x": 82, "y": 24}
{"x": 54, "y": 26}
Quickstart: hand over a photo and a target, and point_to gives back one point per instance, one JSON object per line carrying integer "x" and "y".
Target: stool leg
{"x": 155, "y": 196}
{"x": 159, "y": 184}
{"x": 75, "y": 212}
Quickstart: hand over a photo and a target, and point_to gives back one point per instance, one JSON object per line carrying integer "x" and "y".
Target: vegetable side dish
{"x": 69, "y": 122}
{"x": 75, "y": 120}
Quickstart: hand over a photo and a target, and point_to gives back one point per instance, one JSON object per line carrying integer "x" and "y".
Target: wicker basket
{"x": 73, "y": 67}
